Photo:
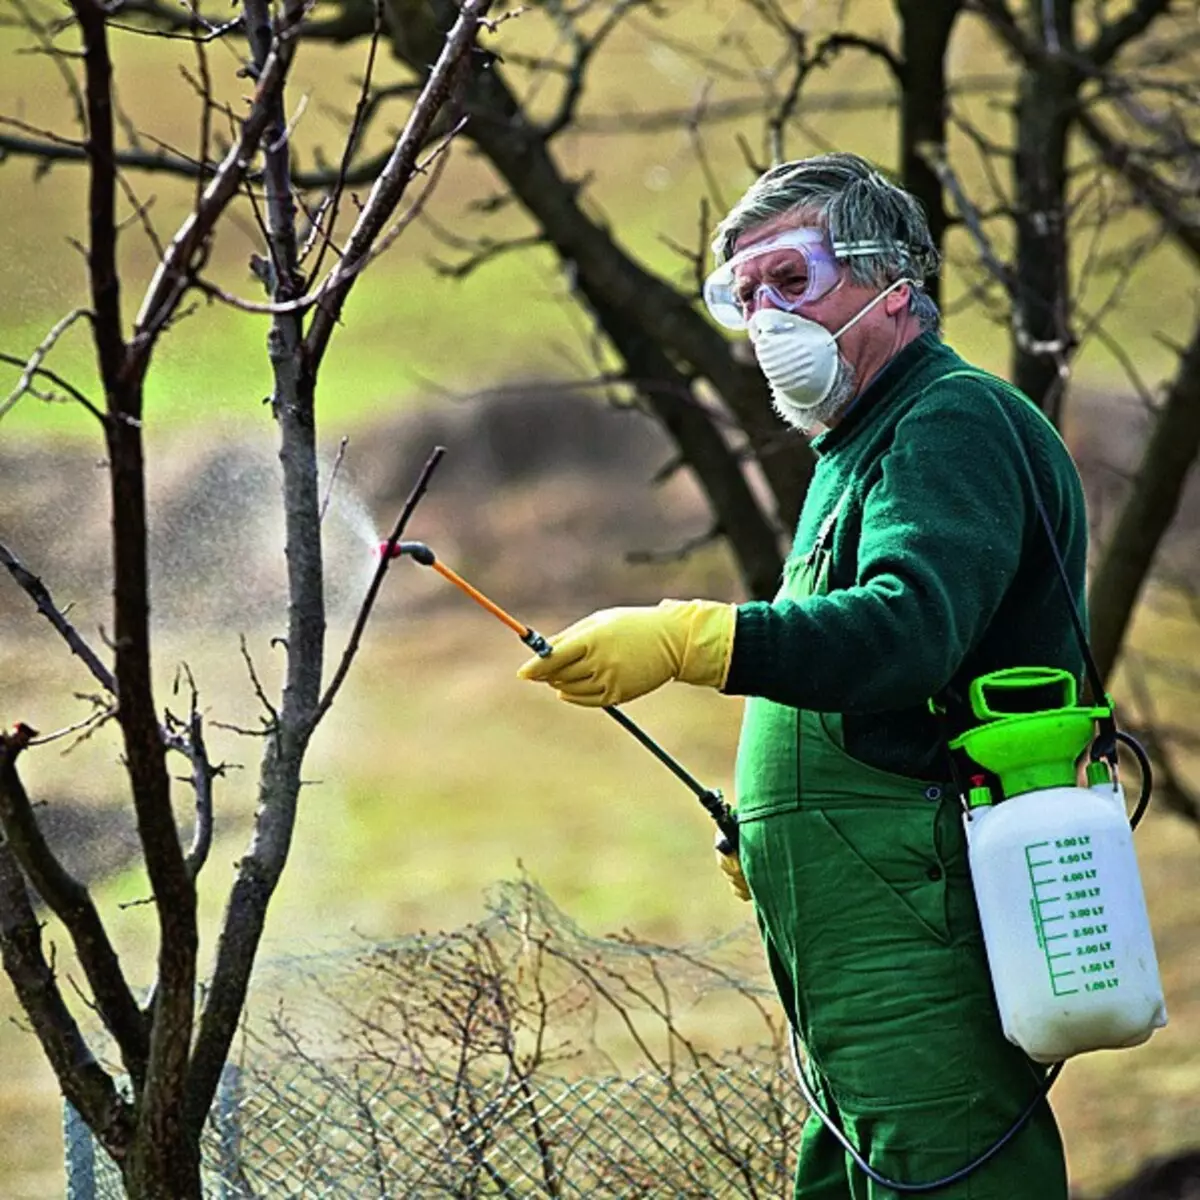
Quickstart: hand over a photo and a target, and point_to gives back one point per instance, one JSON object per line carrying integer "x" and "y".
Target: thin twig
{"x": 442, "y": 87}
{"x": 88, "y": 725}
{"x": 71, "y": 390}
{"x": 342, "y": 276}
{"x": 353, "y": 138}
{"x": 259, "y": 690}
{"x": 40, "y": 595}
{"x": 35, "y": 360}
{"x": 414, "y": 498}
{"x": 333, "y": 474}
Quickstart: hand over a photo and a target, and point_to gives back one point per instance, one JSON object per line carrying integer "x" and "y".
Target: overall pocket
{"x": 891, "y": 857}
{"x": 853, "y": 901}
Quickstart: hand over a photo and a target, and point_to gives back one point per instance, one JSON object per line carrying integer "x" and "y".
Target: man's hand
{"x": 618, "y": 654}
{"x": 731, "y": 868}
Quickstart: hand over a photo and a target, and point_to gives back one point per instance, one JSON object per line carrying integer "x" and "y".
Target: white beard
{"x": 816, "y": 418}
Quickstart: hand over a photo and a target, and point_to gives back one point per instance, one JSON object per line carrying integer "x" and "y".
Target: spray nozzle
{"x": 416, "y": 550}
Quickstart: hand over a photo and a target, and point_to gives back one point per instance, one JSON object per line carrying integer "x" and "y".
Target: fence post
{"x": 80, "y": 1155}
{"x": 229, "y": 1098}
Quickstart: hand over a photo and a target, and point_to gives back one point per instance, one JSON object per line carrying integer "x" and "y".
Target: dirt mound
{"x": 540, "y": 496}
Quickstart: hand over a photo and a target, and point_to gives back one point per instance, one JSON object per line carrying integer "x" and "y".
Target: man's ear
{"x": 894, "y": 303}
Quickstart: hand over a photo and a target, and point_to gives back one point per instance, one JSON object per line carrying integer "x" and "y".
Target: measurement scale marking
{"x": 1039, "y": 902}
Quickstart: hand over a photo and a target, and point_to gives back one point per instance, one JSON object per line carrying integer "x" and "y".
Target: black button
{"x": 933, "y": 792}
{"x": 934, "y": 873}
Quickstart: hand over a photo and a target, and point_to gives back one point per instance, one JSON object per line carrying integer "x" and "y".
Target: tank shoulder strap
{"x": 1106, "y": 744}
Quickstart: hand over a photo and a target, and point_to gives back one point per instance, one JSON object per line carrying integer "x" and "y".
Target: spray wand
{"x": 710, "y": 798}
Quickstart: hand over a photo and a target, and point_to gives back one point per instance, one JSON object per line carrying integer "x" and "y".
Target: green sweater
{"x": 941, "y": 567}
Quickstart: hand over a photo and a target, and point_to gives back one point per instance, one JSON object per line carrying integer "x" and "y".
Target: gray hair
{"x": 853, "y": 202}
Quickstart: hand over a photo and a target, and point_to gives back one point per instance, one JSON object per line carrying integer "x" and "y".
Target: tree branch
{"x": 396, "y": 174}
{"x": 364, "y": 612}
{"x": 71, "y": 902}
{"x": 190, "y": 743}
{"x": 364, "y": 110}
{"x": 171, "y": 278}
{"x": 1170, "y": 790}
{"x": 1148, "y": 511}
{"x": 935, "y": 159}
{"x": 40, "y": 595}
{"x": 102, "y": 192}
{"x": 1113, "y": 37}
{"x": 585, "y": 51}
{"x": 156, "y": 161}
{"x": 33, "y": 364}
{"x": 83, "y": 1081}
{"x": 1165, "y": 202}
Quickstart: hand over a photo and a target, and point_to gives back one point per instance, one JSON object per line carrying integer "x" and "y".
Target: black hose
{"x": 1143, "y": 761}
{"x": 934, "y": 1184}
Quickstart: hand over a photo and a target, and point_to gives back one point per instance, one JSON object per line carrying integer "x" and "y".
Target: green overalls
{"x": 864, "y": 902}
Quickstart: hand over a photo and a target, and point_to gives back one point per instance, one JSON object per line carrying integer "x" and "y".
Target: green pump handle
{"x": 1017, "y": 679}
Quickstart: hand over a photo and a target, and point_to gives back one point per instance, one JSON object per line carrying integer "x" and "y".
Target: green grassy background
{"x": 410, "y": 332}
{"x": 441, "y": 774}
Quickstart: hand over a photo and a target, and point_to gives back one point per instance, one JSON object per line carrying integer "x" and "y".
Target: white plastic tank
{"x": 1064, "y": 921}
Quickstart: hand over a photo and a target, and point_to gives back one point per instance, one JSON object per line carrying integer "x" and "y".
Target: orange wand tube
{"x": 419, "y": 552}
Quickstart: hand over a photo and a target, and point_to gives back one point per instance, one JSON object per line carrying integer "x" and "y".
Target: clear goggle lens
{"x": 788, "y": 271}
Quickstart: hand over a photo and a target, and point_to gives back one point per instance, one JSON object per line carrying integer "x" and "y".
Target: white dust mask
{"x": 798, "y": 356}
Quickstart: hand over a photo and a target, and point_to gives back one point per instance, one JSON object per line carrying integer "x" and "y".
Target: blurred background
{"x": 438, "y": 774}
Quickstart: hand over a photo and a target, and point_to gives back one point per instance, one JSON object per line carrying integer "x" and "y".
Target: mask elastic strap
{"x": 862, "y": 312}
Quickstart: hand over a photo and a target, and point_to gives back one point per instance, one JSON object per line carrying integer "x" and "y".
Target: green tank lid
{"x": 1028, "y": 750}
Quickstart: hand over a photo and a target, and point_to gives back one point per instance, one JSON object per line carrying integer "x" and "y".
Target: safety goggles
{"x": 789, "y": 270}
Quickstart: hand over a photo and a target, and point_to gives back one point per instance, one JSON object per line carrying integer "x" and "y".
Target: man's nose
{"x": 764, "y": 296}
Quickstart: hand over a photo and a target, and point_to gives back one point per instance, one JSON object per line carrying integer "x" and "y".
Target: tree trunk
{"x": 159, "y": 1168}
{"x": 1046, "y": 101}
{"x": 1147, "y": 512}
{"x": 924, "y": 36}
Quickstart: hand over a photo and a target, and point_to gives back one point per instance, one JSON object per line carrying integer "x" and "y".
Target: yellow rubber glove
{"x": 731, "y": 868}
{"x": 618, "y": 654}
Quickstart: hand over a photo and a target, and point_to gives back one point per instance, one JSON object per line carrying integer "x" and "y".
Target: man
{"x": 920, "y": 562}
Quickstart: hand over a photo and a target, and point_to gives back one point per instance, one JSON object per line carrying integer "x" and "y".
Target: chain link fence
{"x": 518, "y": 1057}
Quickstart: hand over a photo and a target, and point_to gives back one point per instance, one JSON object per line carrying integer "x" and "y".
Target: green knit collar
{"x": 896, "y": 374}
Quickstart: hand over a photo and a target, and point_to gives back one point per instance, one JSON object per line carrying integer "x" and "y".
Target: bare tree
{"x": 1117, "y": 79}
{"x": 172, "y": 1047}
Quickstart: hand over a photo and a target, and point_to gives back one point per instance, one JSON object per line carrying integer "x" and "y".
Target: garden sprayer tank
{"x": 1056, "y": 879}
